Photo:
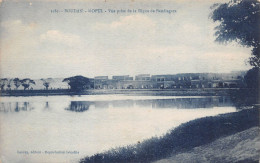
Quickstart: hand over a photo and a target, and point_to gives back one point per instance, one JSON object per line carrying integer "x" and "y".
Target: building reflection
{"x": 191, "y": 103}
{"x": 122, "y": 103}
{"x": 101, "y": 104}
{"x": 178, "y": 103}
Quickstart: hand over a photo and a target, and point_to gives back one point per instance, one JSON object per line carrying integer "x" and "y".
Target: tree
{"x": 9, "y": 84}
{"x": 240, "y": 22}
{"x": 78, "y": 83}
{"x": 46, "y": 82}
{"x": 252, "y": 78}
{"x": 251, "y": 95}
{"x": 26, "y": 83}
{"x": 3, "y": 82}
{"x": 17, "y": 82}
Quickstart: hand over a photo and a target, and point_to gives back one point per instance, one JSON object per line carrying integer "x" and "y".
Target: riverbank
{"x": 150, "y": 92}
{"x": 242, "y": 147}
{"x": 185, "y": 138}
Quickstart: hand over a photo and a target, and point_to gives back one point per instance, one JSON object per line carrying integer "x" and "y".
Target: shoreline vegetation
{"x": 242, "y": 147}
{"x": 200, "y": 134}
{"x": 153, "y": 92}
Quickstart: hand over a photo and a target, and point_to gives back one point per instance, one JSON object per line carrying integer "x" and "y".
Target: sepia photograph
{"x": 129, "y": 81}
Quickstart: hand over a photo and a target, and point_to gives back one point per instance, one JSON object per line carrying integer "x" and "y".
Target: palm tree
{"x": 9, "y": 84}
{"x": 46, "y": 82}
{"x": 3, "y": 83}
{"x": 17, "y": 83}
{"x": 26, "y": 83}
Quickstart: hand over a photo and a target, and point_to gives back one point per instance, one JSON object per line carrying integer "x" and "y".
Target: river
{"x": 67, "y": 128}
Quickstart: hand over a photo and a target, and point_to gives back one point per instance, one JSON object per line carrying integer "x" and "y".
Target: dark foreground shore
{"x": 152, "y": 92}
{"x": 192, "y": 137}
{"x": 242, "y": 147}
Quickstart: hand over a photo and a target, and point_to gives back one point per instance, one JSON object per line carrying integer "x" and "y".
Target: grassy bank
{"x": 183, "y": 138}
{"x": 242, "y": 147}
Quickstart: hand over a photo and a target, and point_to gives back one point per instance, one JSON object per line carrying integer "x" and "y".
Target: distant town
{"x": 141, "y": 81}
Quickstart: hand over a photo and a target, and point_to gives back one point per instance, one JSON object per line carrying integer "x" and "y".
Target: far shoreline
{"x": 148, "y": 92}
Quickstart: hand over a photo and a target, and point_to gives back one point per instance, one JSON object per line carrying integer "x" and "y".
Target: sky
{"x": 36, "y": 43}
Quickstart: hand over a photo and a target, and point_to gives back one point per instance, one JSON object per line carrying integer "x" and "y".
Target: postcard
{"x": 117, "y": 81}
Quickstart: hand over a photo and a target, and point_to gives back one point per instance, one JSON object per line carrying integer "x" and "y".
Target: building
{"x": 143, "y": 77}
{"x": 101, "y": 82}
{"x": 122, "y": 78}
{"x": 170, "y": 81}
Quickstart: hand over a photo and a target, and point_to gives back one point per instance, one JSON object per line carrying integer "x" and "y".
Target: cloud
{"x": 176, "y": 59}
{"x": 129, "y": 23}
{"x": 18, "y": 28}
{"x": 116, "y": 44}
{"x": 17, "y": 38}
{"x": 18, "y": 44}
{"x": 28, "y": 48}
{"x": 133, "y": 22}
{"x": 56, "y": 36}
{"x": 125, "y": 32}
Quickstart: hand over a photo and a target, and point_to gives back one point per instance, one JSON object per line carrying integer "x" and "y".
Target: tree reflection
{"x": 47, "y": 106}
{"x": 15, "y": 107}
{"x": 78, "y": 106}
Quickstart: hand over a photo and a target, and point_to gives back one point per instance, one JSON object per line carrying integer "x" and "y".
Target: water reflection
{"x": 15, "y": 107}
{"x": 100, "y": 104}
{"x": 78, "y": 106}
{"x": 47, "y": 106}
{"x": 192, "y": 103}
{"x": 91, "y": 124}
{"x": 82, "y": 106}
{"x": 179, "y": 103}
